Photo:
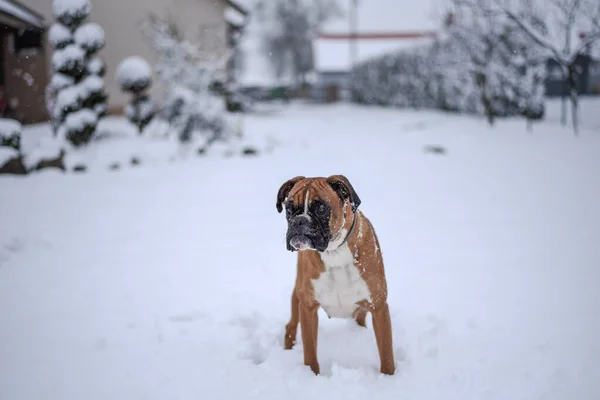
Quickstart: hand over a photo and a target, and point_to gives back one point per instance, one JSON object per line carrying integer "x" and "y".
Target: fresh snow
{"x": 90, "y": 35}
{"x": 133, "y": 69}
{"x": 61, "y": 7}
{"x": 58, "y": 33}
{"x": 172, "y": 280}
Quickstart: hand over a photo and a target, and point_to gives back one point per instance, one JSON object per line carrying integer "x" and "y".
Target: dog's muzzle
{"x": 303, "y": 235}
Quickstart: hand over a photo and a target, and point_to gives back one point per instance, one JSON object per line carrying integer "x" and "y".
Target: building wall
{"x": 25, "y": 76}
{"x": 121, "y": 19}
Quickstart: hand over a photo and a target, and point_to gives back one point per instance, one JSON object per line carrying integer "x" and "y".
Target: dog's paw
{"x": 289, "y": 342}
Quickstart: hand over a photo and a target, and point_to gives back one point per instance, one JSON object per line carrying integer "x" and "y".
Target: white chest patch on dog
{"x": 340, "y": 286}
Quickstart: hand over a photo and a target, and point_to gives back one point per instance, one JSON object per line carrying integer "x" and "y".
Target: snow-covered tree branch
{"x": 192, "y": 77}
{"x": 573, "y": 27}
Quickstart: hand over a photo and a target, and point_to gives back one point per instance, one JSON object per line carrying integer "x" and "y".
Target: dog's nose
{"x": 300, "y": 223}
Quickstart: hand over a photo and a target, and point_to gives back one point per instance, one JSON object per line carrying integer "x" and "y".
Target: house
{"x": 589, "y": 82}
{"x": 366, "y": 30}
{"x": 23, "y": 72}
{"x": 216, "y": 22}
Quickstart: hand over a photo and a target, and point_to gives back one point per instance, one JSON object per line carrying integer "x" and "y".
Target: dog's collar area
{"x": 349, "y": 232}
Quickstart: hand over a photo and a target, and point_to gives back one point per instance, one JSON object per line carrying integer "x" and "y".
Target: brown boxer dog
{"x": 339, "y": 268}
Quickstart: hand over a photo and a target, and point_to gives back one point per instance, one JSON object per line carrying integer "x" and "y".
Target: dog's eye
{"x": 321, "y": 210}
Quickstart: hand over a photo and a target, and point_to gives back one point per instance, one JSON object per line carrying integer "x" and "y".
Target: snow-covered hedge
{"x": 441, "y": 76}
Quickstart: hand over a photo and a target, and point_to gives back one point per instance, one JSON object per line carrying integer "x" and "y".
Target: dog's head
{"x": 317, "y": 210}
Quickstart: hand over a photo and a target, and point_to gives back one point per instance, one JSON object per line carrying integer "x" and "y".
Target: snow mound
{"x": 90, "y": 36}
{"x": 68, "y": 58}
{"x": 47, "y": 148}
{"x": 134, "y": 72}
{"x": 76, "y": 8}
{"x": 59, "y": 35}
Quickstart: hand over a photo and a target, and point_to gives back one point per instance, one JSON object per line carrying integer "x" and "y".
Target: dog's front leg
{"x": 382, "y": 325}
{"x": 292, "y": 327}
{"x": 309, "y": 325}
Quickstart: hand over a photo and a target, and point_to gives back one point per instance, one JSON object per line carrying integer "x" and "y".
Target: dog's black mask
{"x": 308, "y": 226}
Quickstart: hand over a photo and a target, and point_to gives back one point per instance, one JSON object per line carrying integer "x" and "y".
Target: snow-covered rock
{"x": 134, "y": 74}
{"x": 90, "y": 37}
{"x": 59, "y": 36}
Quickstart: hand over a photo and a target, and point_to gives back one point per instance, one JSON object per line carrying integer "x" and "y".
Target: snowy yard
{"x": 173, "y": 281}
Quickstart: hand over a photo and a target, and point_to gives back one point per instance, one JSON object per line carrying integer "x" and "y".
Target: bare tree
{"x": 569, "y": 18}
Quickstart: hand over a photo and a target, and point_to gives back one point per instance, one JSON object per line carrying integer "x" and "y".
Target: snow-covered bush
{"x": 11, "y": 161}
{"x": 194, "y": 109}
{"x": 482, "y": 64}
{"x": 135, "y": 76}
{"x": 10, "y": 133}
{"x": 76, "y": 85}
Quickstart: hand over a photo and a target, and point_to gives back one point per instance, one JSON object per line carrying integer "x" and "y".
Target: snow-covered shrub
{"x": 483, "y": 67}
{"x": 10, "y": 133}
{"x": 194, "y": 110}
{"x": 77, "y": 83}
{"x": 135, "y": 76}
{"x": 11, "y": 161}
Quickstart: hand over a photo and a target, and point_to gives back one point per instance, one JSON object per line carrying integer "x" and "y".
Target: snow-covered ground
{"x": 172, "y": 281}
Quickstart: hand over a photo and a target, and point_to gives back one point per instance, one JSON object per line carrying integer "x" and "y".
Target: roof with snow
{"x": 18, "y": 16}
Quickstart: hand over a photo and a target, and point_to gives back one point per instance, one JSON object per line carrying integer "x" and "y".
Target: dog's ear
{"x": 341, "y": 185}
{"x": 284, "y": 190}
